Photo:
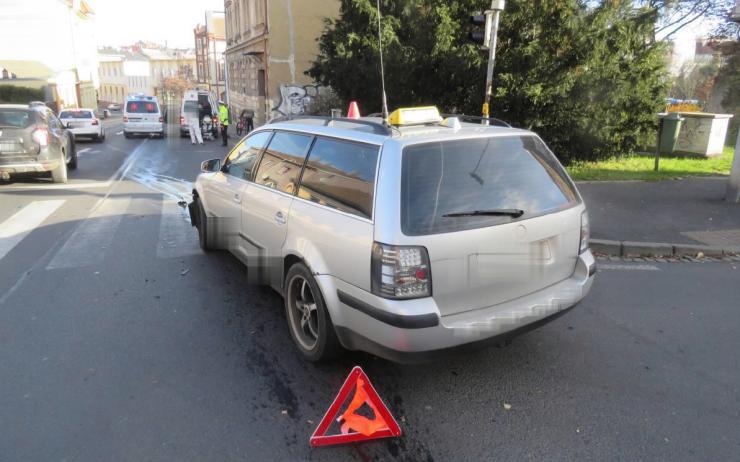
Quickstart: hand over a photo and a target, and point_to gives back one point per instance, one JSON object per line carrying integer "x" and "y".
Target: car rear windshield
{"x": 75, "y": 115}
{"x": 16, "y": 118}
{"x": 142, "y": 107}
{"x": 486, "y": 174}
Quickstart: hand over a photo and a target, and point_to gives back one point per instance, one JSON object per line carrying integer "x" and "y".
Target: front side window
{"x": 341, "y": 175}
{"x": 242, "y": 158}
{"x": 465, "y": 184}
{"x": 282, "y": 161}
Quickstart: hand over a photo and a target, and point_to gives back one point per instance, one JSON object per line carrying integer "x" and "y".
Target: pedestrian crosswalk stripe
{"x": 17, "y": 227}
{"x": 177, "y": 238}
{"x": 88, "y": 243}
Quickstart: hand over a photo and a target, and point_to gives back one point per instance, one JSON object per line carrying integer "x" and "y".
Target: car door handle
{"x": 237, "y": 198}
{"x": 280, "y": 218}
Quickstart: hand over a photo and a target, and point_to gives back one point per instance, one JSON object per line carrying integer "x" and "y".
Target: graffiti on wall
{"x": 296, "y": 99}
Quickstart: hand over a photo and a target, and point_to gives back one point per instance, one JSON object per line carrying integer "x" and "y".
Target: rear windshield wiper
{"x": 514, "y": 213}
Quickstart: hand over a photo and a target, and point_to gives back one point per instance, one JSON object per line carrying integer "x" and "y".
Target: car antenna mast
{"x": 382, "y": 72}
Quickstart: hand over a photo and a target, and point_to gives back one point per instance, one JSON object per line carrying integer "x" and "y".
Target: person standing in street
{"x": 192, "y": 119}
{"x": 223, "y": 119}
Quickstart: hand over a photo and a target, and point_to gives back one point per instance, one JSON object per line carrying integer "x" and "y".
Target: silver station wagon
{"x": 403, "y": 239}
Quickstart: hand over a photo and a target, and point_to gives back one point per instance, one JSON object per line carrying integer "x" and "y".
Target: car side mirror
{"x": 68, "y": 125}
{"x": 211, "y": 165}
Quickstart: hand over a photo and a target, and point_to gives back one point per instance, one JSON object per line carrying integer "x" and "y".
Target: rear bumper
{"x": 156, "y": 129}
{"x": 92, "y": 131}
{"x": 413, "y": 331}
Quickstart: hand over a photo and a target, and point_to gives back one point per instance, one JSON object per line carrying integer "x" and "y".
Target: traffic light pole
{"x": 492, "y": 17}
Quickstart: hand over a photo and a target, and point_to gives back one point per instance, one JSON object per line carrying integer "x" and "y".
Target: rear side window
{"x": 142, "y": 107}
{"x": 282, "y": 161}
{"x": 75, "y": 115}
{"x": 16, "y": 118}
{"x": 513, "y": 172}
{"x": 341, "y": 175}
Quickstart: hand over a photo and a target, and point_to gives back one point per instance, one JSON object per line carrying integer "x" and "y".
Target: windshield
{"x": 142, "y": 107}
{"x": 441, "y": 181}
{"x": 75, "y": 115}
{"x": 17, "y": 118}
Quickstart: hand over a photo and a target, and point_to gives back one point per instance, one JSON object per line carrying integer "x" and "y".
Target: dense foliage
{"x": 587, "y": 76}
{"x": 20, "y": 95}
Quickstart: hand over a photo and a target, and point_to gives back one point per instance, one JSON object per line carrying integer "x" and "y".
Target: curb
{"x": 658, "y": 249}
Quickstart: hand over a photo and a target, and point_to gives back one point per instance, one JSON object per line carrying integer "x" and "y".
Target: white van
{"x": 142, "y": 115}
{"x": 205, "y": 103}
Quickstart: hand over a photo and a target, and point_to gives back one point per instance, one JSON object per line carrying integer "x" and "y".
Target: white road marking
{"x": 88, "y": 243}
{"x": 177, "y": 238}
{"x": 119, "y": 133}
{"x": 607, "y": 266}
{"x": 17, "y": 227}
{"x": 82, "y": 151}
{"x": 45, "y": 186}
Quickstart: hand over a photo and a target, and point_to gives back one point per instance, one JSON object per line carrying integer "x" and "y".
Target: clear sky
{"x": 122, "y": 22}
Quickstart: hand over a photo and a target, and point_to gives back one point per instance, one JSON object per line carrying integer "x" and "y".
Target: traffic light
{"x": 482, "y": 31}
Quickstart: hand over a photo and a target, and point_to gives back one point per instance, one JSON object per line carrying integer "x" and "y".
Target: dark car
{"x": 33, "y": 140}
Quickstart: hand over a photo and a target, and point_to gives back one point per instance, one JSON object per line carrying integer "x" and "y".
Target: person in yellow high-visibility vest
{"x": 223, "y": 120}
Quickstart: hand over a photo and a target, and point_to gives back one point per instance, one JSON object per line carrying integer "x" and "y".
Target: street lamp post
{"x": 732, "y": 193}
{"x": 492, "y": 16}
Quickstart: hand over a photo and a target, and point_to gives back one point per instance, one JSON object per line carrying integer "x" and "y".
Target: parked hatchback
{"x": 33, "y": 140}
{"x": 402, "y": 241}
{"x": 83, "y": 123}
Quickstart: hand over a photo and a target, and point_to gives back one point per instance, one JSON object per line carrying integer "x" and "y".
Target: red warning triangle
{"x": 355, "y": 427}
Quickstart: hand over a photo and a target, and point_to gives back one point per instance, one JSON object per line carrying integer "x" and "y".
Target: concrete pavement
{"x": 687, "y": 211}
{"x": 121, "y": 340}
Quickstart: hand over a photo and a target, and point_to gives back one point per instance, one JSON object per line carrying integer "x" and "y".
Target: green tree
{"x": 588, "y": 78}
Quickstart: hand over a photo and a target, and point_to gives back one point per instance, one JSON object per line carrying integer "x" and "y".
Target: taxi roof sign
{"x": 415, "y": 116}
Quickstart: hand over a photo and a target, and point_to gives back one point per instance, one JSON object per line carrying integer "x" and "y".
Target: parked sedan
{"x": 83, "y": 123}
{"x": 32, "y": 139}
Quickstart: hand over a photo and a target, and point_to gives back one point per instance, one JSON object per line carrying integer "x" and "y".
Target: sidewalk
{"x": 687, "y": 211}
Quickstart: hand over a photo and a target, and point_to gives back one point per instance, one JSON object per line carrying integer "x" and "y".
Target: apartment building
{"x": 140, "y": 69}
{"x": 269, "y": 46}
{"x": 210, "y": 44}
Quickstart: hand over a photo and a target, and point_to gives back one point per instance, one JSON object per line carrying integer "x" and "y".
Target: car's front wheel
{"x": 308, "y": 320}
{"x": 202, "y": 226}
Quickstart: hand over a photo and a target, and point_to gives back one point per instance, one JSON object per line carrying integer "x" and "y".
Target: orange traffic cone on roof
{"x": 354, "y": 111}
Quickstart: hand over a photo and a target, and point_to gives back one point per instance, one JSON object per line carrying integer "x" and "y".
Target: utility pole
{"x": 732, "y": 193}
{"x": 492, "y": 16}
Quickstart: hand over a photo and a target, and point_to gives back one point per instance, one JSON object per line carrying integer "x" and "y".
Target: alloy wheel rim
{"x": 303, "y": 312}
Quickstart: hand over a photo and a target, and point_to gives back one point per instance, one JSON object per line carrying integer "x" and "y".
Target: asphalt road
{"x": 121, "y": 341}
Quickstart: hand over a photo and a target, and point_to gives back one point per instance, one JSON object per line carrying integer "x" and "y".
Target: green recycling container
{"x": 670, "y": 126}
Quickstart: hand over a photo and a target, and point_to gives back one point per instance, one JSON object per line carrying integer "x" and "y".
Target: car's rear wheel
{"x": 308, "y": 320}
{"x": 59, "y": 174}
{"x": 126, "y": 135}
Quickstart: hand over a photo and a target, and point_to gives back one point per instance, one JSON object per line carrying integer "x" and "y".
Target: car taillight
{"x": 125, "y": 119}
{"x": 182, "y": 120}
{"x": 161, "y": 119}
{"x": 585, "y": 233}
{"x": 95, "y": 122}
{"x": 41, "y": 137}
{"x": 400, "y": 271}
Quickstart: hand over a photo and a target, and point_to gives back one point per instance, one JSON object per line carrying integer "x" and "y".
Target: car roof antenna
{"x": 382, "y": 72}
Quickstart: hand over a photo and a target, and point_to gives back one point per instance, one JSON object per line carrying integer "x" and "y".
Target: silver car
{"x": 404, "y": 241}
